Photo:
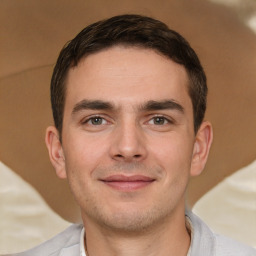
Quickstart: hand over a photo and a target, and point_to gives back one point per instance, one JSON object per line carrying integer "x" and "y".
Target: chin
{"x": 130, "y": 221}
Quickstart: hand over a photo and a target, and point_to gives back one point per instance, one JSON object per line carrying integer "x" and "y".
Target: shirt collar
{"x": 82, "y": 246}
{"x": 190, "y": 229}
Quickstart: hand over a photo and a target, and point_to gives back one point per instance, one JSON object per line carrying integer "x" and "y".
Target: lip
{"x": 127, "y": 183}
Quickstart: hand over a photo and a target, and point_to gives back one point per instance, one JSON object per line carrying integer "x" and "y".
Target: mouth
{"x": 128, "y": 183}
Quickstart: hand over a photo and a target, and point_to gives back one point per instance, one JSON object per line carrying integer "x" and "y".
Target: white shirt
{"x": 203, "y": 242}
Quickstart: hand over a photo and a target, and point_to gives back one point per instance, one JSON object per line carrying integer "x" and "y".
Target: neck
{"x": 167, "y": 238}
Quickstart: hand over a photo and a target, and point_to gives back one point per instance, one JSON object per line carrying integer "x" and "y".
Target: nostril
{"x": 122, "y": 156}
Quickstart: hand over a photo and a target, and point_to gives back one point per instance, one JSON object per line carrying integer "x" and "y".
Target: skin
{"x": 129, "y": 149}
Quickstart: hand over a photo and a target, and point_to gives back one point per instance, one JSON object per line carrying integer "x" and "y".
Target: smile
{"x": 128, "y": 183}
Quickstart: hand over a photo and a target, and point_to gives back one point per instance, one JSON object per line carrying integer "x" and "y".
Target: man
{"x": 128, "y": 98}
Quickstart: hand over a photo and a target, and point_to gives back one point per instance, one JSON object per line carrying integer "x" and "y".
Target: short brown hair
{"x": 131, "y": 30}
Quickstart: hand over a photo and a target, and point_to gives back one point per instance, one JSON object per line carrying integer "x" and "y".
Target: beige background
{"x": 32, "y": 34}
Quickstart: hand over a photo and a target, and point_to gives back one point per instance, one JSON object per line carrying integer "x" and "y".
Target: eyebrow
{"x": 92, "y": 104}
{"x": 162, "y": 105}
{"x": 148, "y": 106}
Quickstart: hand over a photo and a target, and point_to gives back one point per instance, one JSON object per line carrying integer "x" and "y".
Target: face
{"x": 128, "y": 146}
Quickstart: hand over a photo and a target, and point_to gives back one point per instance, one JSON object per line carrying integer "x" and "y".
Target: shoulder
{"x": 228, "y": 247}
{"x": 206, "y": 243}
{"x": 66, "y": 240}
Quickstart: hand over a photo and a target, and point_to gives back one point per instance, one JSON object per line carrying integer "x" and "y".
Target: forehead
{"x": 127, "y": 75}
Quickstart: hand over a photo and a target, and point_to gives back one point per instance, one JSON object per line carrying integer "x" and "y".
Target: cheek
{"x": 83, "y": 154}
{"x": 173, "y": 154}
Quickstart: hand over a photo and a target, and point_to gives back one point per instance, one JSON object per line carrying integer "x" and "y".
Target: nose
{"x": 128, "y": 143}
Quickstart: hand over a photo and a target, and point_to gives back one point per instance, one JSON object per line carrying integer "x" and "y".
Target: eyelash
{"x": 87, "y": 120}
{"x": 165, "y": 119}
{"x": 153, "y": 118}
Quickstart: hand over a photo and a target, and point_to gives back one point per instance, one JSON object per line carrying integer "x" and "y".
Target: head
{"x": 129, "y": 30}
{"x": 129, "y": 97}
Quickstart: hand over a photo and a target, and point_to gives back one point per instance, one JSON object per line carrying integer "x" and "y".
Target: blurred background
{"x": 223, "y": 33}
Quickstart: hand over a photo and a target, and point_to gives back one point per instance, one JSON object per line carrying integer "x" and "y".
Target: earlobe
{"x": 201, "y": 148}
{"x": 55, "y": 151}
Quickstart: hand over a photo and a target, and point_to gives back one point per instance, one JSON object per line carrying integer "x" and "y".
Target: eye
{"x": 96, "y": 120}
{"x": 159, "y": 120}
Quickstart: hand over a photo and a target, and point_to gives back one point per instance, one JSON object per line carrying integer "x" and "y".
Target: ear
{"x": 55, "y": 150}
{"x": 201, "y": 148}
